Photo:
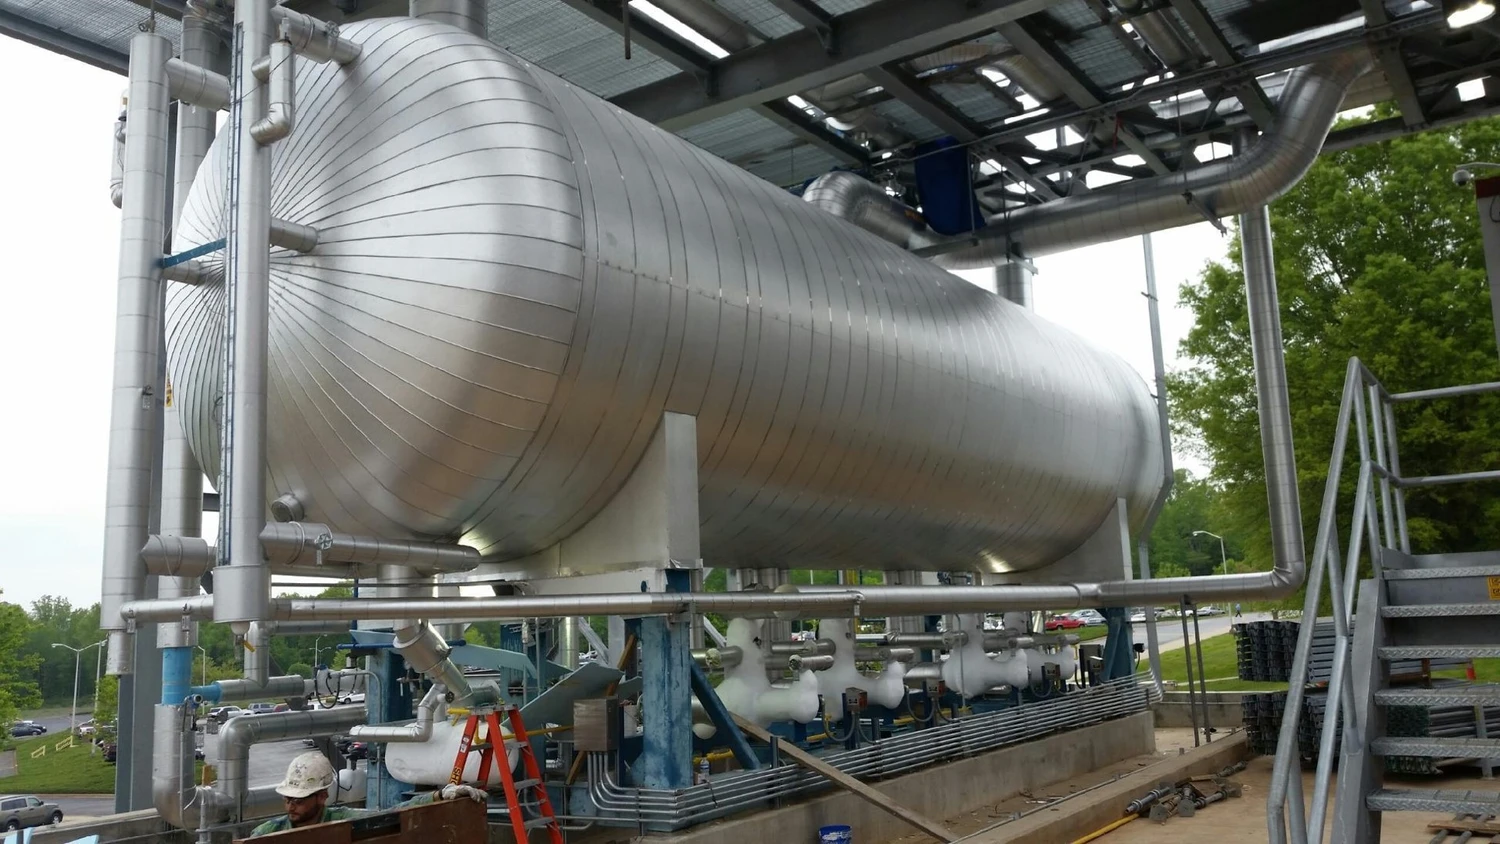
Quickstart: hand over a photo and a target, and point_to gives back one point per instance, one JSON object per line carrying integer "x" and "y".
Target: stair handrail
{"x": 1285, "y": 811}
{"x": 1377, "y": 515}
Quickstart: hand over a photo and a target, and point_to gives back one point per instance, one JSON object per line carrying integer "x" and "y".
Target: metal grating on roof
{"x": 919, "y": 127}
{"x": 738, "y": 136}
{"x": 1102, "y": 59}
{"x": 570, "y": 44}
{"x": 761, "y": 16}
{"x": 1220, "y": 10}
{"x": 839, "y": 7}
{"x": 109, "y": 23}
{"x": 1075, "y": 13}
{"x": 972, "y": 100}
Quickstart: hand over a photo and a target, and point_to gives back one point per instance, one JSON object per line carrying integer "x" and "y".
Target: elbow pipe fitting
{"x": 417, "y": 731}
{"x": 281, "y": 113}
{"x": 426, "y": 652}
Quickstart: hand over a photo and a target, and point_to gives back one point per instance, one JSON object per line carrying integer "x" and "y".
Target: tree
{"x": 18, "y": 688}
{"x": 301, "y": 668}
{"x": 1377, "y": 256}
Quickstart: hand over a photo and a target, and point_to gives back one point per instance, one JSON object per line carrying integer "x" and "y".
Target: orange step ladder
{"x": 492, "y": 750}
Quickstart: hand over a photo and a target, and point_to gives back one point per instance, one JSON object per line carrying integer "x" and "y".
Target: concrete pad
{"x": 941, "y": 791}
{"x": 1074, "y": 818}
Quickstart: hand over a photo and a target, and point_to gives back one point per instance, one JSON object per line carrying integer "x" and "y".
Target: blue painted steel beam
{"x": 666, "y": 698}
{"x": 1119, "y": 651}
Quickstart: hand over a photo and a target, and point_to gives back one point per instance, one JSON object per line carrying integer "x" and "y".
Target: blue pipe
{"x": 209, "y": 693}
{"x": 176, "y": 675}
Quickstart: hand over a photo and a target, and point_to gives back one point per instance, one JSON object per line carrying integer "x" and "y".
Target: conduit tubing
{"x": 1309, "y": 103}
{"x": 133, "y": 422}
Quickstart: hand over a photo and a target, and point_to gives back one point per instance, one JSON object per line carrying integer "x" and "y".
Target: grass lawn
{"x": 1219, "y": 664}
{"x": 68, "y": 771}
{"x": 1098, "y": 631}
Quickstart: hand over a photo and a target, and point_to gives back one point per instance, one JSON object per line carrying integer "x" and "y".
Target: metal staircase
{"x": 1403, "y": 606}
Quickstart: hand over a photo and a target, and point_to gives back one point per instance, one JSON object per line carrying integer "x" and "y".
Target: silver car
{"x": 18, "y": 811}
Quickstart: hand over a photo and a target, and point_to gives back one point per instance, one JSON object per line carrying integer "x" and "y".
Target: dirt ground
{"x": 1228, "y": 822}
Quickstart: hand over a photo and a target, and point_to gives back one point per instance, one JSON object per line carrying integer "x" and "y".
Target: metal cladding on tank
{"x": 514, "y": 280}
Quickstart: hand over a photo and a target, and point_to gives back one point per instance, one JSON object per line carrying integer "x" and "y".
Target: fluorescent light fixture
{"x": 1462, "y": 13}
{"x": 680, "y": 29}
{"x": 1470, "y": 89}
{"x": 799, "y": 102}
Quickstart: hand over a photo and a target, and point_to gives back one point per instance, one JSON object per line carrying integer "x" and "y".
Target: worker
{"x": 305, "y": 792}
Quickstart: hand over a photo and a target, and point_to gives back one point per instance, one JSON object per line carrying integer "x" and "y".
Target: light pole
{"x": 1222, "y": 558}
{"x": 77, "y": 664}
{"x": 316, "y": 640}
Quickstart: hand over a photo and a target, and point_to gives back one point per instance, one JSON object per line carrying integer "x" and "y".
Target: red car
{"x": 1062, "y": 622}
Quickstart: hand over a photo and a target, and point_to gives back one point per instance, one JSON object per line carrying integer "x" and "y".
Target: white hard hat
{"x": 308, "y": 774}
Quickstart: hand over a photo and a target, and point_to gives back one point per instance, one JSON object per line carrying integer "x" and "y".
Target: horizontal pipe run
{"x": 239, "y": 690}
{"x": 186, "y": 272}
{"x": 177, "y": 556}
{"x": 293, "y": 236}
{"x": 313, "y": 39}
{"x": 298, "y": 544}
{"x": 1447, "y": 480}
{"x": 1446, "y": 392}
{"x": 197, "y": 86}
{"x": 417, "y": 731}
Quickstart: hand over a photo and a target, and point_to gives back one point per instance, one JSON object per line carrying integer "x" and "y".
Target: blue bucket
{"x": 835, "y": 835}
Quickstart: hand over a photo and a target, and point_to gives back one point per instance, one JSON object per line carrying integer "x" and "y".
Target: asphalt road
{"x": 1169, "y": 630}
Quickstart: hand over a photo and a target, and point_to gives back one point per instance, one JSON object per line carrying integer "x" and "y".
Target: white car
{"x": 1138, "y": 617}
{"x": 1090, "y": 618}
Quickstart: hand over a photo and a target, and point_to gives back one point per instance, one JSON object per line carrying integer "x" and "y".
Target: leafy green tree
{"x": 301, "y": 668}
{"x": 1377, "y": 256}
{"x": 18, "y": 687}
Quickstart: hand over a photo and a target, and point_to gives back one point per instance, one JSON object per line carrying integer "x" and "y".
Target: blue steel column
{"x": 388, "y": 703}
{"x": 666, "y": 697}
{"x": 1119, "y": 650}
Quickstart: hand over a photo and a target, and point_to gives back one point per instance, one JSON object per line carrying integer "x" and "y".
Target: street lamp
{"x": 316, "y": 640}
{"x": 77, "y": 663}
{"x": 1222, "y": 558}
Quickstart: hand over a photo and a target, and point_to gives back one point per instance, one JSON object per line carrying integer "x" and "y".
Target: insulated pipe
{"x": 182, "y": 478}
{"x": 417, "y": 731}
{"x": 1013, "y": 282}
{"x": 299, "y": 544}
{"x": 426, "y": 652}
{"x": 240, "y": 732}
{"x": 180, "y": 558}
{"x": 281, "y": 114}
{"x": 242, "y": 578}
{"x": 865, "y": 204}
{"x": 257, "y": 661}
{"x": 313, "y": 39}
{"x": 469, "y": 15}
{"x": 293, "y": 236}
{"x": 194, "y": 84}
{"x": 1308, "y": 105}
{"x": 133, "y": 431}
{"x": 117, "y": 162}
{"x": 236, "y": 691}
{"x": 1025, "y": 73}
{"x": 1163, "y": 37}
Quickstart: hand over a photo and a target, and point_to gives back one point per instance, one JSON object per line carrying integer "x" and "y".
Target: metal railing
{"x": 1379, "y": 521}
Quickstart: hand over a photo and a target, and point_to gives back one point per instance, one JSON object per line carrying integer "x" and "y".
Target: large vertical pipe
{"x": 242, "y": 583}
{"x": 469, "y": 15}
{"x": 1272, "y": 399}
{"x": 133, "y": 428}
{"x": 1013, "y": 282}
{"x": 1158, "y": 360}
{"x": 182, "y": 479}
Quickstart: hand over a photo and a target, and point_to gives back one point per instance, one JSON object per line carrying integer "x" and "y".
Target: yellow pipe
{"x": 1103, "y": 831}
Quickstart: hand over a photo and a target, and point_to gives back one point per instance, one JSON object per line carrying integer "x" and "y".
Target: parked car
{"x": 111, "y": 750}
{"x": 224, "y": 713}
{"x": 281, "y": 707}
{"x": 1210, "y": 610}
{"x": 27, "y": 728}
{"x": 1062, "y": 622}
{"x": 87, "y": 728}
{"x": 1138, "y": 617}
{"x": 358, "y": 698}
{"x": 262, "y": 708}
{"x": 1090, "y": 618}
{"x": 18, "y": 811}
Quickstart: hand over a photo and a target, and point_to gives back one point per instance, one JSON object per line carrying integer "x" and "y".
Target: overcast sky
{"x": 58, "y": 265}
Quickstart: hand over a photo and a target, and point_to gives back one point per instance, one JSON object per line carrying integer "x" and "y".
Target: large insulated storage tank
{"x": 515, "y": 279}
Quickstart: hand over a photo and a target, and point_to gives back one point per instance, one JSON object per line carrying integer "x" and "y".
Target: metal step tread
{"x": 1434, "y": 574}
{"x": 524, "y": 784}
{"x": 1448, "y": 801}
{"x": 1439, "y": 610}
{"x": 1475, "y": 695}
{"x": 1395, "y": 652}
{"x": 1438, "y": 748}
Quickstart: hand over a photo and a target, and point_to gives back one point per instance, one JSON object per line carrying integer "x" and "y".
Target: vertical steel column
{"x": 133, "y": 431}
{"x": 1153, "y": 313}
{"x": 182, "y": 479}
{"x": 242, "y": 581}
{"x": 666, "y": 697}
{"x": 1487, "y": 193}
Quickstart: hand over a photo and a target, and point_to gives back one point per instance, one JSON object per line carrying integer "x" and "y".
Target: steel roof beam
{"x": 1391, "y": 62}
{"x": 1213, "y": 42}
{"x": 1136, "y": 51}
{"x": 809, "y": 15}
{"x": 883, "y": 32}
{"x": 925, "y": 102}
{"x": 62, "y": 43}
{"x": 687, "y": 58}
{"x": 1071, "y": 81}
